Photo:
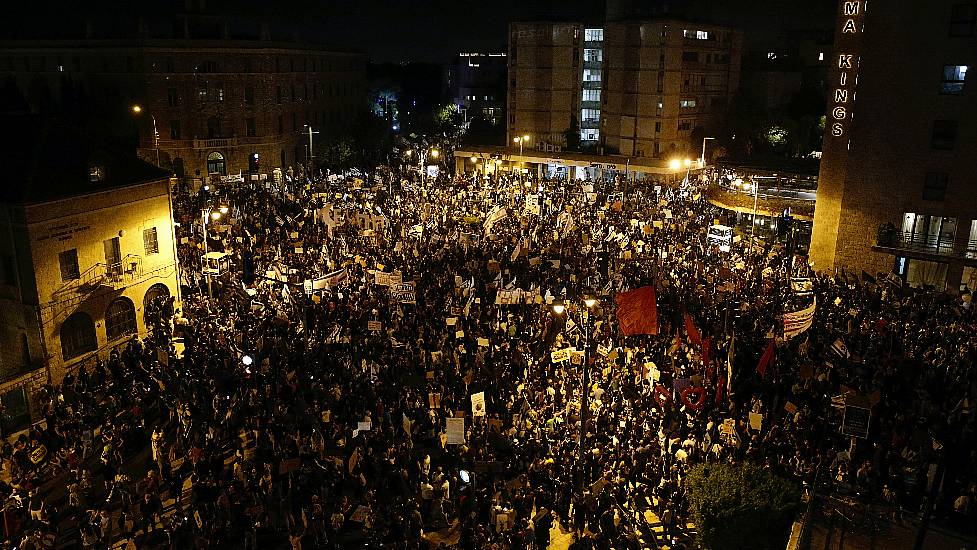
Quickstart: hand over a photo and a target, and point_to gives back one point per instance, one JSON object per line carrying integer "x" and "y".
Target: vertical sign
{"x": 850, "y": 27}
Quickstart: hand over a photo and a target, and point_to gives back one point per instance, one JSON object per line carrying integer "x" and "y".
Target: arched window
{"x": 120, "y": 318}
{"x": 77, "y": 335}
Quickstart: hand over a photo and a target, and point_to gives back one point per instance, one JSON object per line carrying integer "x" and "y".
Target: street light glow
{"x": 675, "y": 164}
{"x": 435, "y": 153}
{"x": 516, "y": 140}
{"x": 591, "y": 302}
{"x": 223, "y": 210}
{"x": 688, "y": 162}
{"x": 474, "y": 158}
{"x": 136, "y": 109}
{"x": 525, "y": 137}
{"x": 215, "y": 215}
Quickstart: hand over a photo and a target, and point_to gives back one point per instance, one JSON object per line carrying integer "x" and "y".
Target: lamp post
{"x": 702, "y": 159}
{"x": 589, "y": 301}
{"x": 137, "y": 110}
{"x": 207, "y": 213}
{"x": 311, "y": 151}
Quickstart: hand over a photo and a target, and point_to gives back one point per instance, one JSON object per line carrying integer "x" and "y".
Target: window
{"x": 590, "y": 115}
{"x": 175, "y": 132}
{"x": 95, "y": 174}
{"x": 685, "y": 125}
{"x": 120, "y": 319}
{"x": 820, "y": 56}
{"x": 944, "y": 134}
{"x": 202, "y": 92}
{"x": 771, "y": 55}
{"x": 150, "y": 244}
{"x": 281, "y": 124}
{"x": 962, "y": 19}
{"x": 77, "y": 335}
{"x": 953, "y": 79}
{"x": 658, "y": 127}
{"x": 251, "y": 129}
{"x": 591, "y": 75}
{"x": 593, "y": 35}
{"x": 934, "y": 186}
{"x": 219, "y": 92}
{"x": 591, "y": 95}
{"x": 590, "y": 54}
{"x": 690, "y": 56}
{"x": 686, "y": 103}
{"x": 697, "y": 35}
{"x": 69, "y": 265}
{"x": 172, "y": 97}
{"x": 589, "y": 134}
{"x": 249, "y": 95}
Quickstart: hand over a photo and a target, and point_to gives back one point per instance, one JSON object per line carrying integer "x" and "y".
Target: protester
{"x": 314, "y": 405}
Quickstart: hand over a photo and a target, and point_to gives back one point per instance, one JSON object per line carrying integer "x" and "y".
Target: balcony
{"x": 214, "y": 143}
{"x": 924, "y": 246}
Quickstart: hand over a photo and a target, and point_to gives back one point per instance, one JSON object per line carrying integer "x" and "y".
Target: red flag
{"x": 766, "y": 358}
{"x": 720, "y": 389}
{"x": 693, "y": 333}
{"x": 637, "y": 311}
{"x": 707, "y": 350}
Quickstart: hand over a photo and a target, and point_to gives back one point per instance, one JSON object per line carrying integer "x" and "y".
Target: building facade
{"x": 648, "y": 88}
{"x": 218, "y": 106}
{"x": 897, "y": 181}
{"x": 86, "y": 243}
{"x": 476, "y": 84}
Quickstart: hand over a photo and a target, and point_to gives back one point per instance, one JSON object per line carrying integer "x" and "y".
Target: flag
{"x": 637, "y": 311}
{"x": 707, "y": 351}
{"x": 839, "y": 347}
{"x": 729, "y": 361}
{"x": 797, "y": 322}
{"x": 690, "y": 330}
{"x": 720, "y": 389}
{"x": 766, "y": 358}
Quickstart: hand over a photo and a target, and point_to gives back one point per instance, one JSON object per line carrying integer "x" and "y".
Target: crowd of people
{"x": 384, "y": 365}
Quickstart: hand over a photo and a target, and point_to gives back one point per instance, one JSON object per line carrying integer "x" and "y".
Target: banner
{"x": 478, "y": 404}
{"x": 373, "y": 326}
{"x": 509, "y": 297}
{"x": 335, "y": 278}
{"x": 560, "y": 356}
{"x": 381, "y": 278}
{"x": 497, "y": 213}
{"x": 637, "y": 311}
{"x": 455, "y": 430}
{"x": 403, "y": 293}
{"x": 799, "y": 321}
{"x": 532, "y": 204}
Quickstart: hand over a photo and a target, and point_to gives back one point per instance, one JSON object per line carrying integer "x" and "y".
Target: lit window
{"x": 821, "y": 56}
{"x": 590, "y": 115}
{"x": 150, "y": 242}
{"x": 589, "y": 134}
{"x": 593, "y": 35}
{"x": 95, "y": 174}
{"x": 771, "y": 55}
{"x": 591, "y": 75}
{"x": 953, "y": 79}
{"x": 660, "y": 104}
{"x": 591, "y": 95}
{"x": 687, "y": 103}
{"x": 962, "y": 19}
{"x": 593, "y": 55}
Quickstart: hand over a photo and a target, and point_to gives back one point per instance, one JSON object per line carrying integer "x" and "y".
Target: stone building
{"x": 897, "y": 182}
{"x": 218, "y": 105}
{"x": 644, "y": 88}
{"x": 86, "y": 241}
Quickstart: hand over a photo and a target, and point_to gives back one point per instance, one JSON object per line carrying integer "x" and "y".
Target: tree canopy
{"x": 737, "y": 506}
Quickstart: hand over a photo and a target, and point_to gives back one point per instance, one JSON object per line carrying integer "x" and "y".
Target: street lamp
{"x": 675, "y": 164}
{"x": 208, "y": 213}
{"x": 589, "y": 300}
{"x": 520, "y": 140}
{"x": 137, "y": 110}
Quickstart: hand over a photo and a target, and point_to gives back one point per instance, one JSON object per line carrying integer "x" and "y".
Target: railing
{"x": 932, "y": 244}
{"x": 122, "y": 273}
{"x": 214, "y": 143}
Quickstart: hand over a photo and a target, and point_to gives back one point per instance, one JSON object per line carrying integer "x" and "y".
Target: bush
{"x": 736, "y": 506}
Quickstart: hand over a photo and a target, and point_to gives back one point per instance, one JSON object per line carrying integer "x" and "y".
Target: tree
{"x": 738, "y": 506}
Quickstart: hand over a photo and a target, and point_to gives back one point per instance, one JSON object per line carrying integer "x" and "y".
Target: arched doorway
{"x": 120, "y": 318}
{"x": 156, "y": 291}
{"x": 215, "y": 163}
{"x": 77, "y": 335}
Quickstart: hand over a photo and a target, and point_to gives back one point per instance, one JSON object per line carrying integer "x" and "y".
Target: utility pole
{"x": 311, "y": 150}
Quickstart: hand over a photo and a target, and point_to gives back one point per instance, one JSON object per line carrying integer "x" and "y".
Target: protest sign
{"x": 455, "y": 430}
{"x": 478, "y": 404}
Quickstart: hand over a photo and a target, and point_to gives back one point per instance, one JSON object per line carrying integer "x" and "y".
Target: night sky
{"x": 413, "y": 30}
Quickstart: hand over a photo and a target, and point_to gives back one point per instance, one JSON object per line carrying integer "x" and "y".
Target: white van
{"x": 721, "y": 235}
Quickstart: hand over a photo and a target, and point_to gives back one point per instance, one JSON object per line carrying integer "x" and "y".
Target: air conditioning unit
{"x": 557, "y": 149}
{"x": 549, "y": 148}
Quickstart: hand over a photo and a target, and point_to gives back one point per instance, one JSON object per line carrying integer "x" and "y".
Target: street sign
{"x": 856, "y": 420}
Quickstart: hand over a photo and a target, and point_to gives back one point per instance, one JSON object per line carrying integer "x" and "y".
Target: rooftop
{"x": 50, "y": 161}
